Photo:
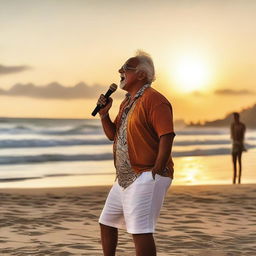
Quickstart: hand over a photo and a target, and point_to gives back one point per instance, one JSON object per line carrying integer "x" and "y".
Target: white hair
{"x": 146, "y": 64}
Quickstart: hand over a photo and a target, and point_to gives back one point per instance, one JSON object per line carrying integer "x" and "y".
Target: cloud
{"x": 4, "y": 70}
{"x": 57, "y": 91}
{"x": 234, "y": 92}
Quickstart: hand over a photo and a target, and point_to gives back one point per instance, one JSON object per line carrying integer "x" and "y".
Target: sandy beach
{"x": 213, "y": 220}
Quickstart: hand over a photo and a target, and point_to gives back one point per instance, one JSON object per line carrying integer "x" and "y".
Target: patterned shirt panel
{"x": 125, "y": 174}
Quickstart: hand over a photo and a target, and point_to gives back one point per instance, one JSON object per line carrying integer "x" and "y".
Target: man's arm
{"x": 164, "y": 152}
{"x": 232, "y": 131}
{"x": 108, "y": 126}
{"x": 244, "y": 129}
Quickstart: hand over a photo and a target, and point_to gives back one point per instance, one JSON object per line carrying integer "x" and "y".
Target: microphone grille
{"x": 113, "y": 87}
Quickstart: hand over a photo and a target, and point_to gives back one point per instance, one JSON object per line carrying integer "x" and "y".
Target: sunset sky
{"x": 203, "y": 50}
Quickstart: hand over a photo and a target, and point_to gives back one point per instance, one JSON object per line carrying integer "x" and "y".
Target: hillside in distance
{"x": 247, "y": 116}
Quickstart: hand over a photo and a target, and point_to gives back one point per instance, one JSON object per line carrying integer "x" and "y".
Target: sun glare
{"x": 190, "y": 73}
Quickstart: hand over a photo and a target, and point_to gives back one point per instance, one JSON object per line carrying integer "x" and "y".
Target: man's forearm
{"x": 108, "y": 127}
{"x": 164, "y": 151}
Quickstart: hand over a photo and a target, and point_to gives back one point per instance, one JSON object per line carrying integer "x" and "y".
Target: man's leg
{"x": 111, "y": 219}
{"x": 240, "y": 167}
{"x": 234, "y": 157}
{"x": 144, "y": 244}
{"x": 143, "y": 201}
{"x": 109, "y": 237}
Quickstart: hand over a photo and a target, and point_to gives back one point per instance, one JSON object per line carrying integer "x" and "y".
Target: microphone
{"x": 112, "y": 88}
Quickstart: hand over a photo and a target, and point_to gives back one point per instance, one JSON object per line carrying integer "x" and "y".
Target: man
{"x": 143, "y": 136}
{"x": 237, "y": 136}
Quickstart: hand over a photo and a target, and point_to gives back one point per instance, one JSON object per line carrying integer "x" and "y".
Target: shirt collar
{"x": 139, "y": 92}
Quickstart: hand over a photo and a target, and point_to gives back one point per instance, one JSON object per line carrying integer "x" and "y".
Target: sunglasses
{"x": 125, "y": 67}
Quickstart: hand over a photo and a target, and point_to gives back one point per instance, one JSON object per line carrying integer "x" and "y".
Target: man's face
{"x": 128, "y": 73}
{"x": 236, "y": 118}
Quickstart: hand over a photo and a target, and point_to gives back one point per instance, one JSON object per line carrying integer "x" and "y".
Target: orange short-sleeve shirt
{"x": 151, "y": 118}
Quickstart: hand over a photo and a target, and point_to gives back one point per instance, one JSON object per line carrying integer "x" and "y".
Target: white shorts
{"x": 137, "y": 207}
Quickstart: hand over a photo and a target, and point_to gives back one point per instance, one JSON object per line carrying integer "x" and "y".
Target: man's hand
{"x": 164, "y": 152}
{"x": 103, "y": 102}
{"x": 154, "y": 172}
{"x": 164, "y": 172}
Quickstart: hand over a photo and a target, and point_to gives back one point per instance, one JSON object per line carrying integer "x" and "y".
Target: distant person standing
{"x": 237, "y": 136}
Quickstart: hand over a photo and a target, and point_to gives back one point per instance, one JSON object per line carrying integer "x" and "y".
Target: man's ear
{"x": 141, "y": 75}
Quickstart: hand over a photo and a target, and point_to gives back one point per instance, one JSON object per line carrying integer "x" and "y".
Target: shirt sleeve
{"x": 162, "y": 119}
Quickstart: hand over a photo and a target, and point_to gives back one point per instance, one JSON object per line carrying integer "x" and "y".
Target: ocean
{"x": 73, "y": 152}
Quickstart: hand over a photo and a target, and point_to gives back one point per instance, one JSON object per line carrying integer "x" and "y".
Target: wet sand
{"x": 212, "y": 220}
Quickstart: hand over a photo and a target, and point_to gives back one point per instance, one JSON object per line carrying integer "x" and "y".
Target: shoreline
{"x": 198, "y": 170}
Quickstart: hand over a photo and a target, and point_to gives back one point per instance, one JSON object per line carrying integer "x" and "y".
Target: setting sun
{"x": 190, "y": 73}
